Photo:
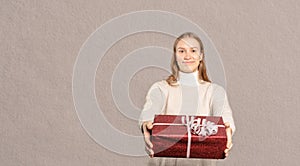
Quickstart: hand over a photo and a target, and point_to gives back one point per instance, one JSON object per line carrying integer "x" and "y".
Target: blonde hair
{"x": 172, "y": 79}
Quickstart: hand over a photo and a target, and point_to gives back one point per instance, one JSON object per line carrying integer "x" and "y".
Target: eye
{"x": 180, "y": 51}
{"x": 194, "y": 50}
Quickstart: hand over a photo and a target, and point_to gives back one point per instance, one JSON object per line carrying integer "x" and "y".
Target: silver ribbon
{"x": 188, "y": 123}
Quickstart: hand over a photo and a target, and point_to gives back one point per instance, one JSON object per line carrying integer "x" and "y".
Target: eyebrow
{"x": 184, "y": 48}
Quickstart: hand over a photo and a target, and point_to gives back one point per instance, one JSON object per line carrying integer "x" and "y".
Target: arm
{"x": 221, "y": 107}
{"x": 155, "y": 101}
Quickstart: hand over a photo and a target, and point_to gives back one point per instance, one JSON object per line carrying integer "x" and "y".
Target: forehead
{"x": 188, "y": 43}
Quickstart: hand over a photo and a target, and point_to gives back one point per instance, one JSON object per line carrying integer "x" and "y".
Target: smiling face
{"x": 188, "y": 55}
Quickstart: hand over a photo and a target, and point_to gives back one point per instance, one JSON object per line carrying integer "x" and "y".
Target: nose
{"x": 187, "y": 55}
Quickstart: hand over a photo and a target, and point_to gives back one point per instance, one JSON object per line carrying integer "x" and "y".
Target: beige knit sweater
{"x": 190, "y": 97}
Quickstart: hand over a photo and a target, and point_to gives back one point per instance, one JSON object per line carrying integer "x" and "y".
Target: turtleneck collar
{"x": 190, "y": 79}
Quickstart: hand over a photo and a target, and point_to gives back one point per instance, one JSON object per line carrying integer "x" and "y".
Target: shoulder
{"x": 217, "y": 90}
{"x": 212, "y": 87}
{"x": 160, "y": 85}
{"x": 217, "y": 87}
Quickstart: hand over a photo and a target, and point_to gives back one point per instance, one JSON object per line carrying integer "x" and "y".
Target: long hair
{"x": 173, "y": 78}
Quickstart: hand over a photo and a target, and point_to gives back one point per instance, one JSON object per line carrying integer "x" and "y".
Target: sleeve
{"x": 155, "y": 103}
{"x": 221, "y": 107}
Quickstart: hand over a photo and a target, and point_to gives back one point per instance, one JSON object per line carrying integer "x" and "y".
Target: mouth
{"x": 189, "y": 62}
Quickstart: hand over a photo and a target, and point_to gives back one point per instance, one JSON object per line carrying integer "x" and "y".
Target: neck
{"x": 190, "y": 79}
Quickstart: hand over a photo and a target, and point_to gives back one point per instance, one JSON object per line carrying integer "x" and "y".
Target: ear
{"x": 201, "y": 56}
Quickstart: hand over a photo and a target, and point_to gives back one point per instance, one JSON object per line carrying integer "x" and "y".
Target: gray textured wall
{"x": 40, "y": 40}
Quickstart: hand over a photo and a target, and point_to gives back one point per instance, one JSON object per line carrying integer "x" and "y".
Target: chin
{"x": 187, "y": 71}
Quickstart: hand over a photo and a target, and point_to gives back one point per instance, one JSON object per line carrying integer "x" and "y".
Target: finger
{"x": 226, "y": 151}
{"x": 147, "y": 137}
{"x": 149, "y": 125}
{"x": 229, "y": 131}
{"x": 229, "y": 145}
{"x": 147, "y": 140}
{"x": 145, "y": 130}
{"x": 227, "y": 124}
{"x": 226, "y": 154}
{"x": 149, "y": 151}
{"x": 229, "y": 137}
{"x": 148, "y": 143}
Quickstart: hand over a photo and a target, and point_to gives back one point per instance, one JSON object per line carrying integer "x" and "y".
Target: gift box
{"x": 183, "y": 136}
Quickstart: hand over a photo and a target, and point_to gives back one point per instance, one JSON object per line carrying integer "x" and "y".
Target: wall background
{"x": 40, "y": 40}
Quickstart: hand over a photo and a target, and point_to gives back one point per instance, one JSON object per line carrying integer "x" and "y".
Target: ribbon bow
{"x": 194, "y": 126}
{"x": 207, "y": 128}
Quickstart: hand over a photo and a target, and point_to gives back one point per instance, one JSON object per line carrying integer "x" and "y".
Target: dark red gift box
{"x": 170, "y": 138}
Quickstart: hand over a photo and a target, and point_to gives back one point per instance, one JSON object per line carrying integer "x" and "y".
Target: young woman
{"x": 187, "y": 91}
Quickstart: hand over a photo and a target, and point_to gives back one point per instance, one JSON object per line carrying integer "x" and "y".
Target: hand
{"x": 146, "y": 128}
{"x": 229, "y": 139}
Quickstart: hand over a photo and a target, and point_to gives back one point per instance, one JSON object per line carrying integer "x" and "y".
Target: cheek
{"x": 196, "y": 56}
{"x": 179, "y": 58}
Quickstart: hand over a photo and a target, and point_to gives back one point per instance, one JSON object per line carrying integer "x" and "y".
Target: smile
{"x": 189, "y": 62}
